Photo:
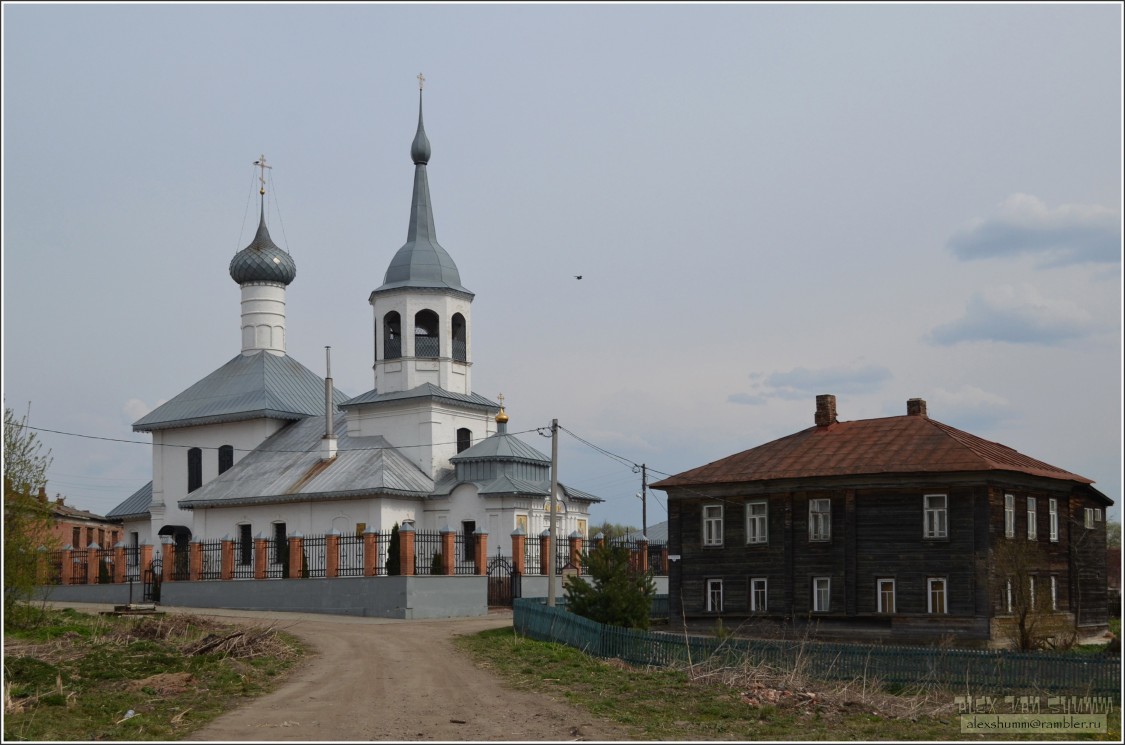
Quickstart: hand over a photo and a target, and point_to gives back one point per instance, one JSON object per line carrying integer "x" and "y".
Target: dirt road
{"x": 378, "y": 679}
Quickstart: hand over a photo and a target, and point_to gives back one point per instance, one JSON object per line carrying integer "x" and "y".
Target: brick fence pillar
{"x": 195, "y": 560}
{"x": 664, "y": 559}
{"x": 226, "y": 558}
{"x": 370, "y": 552}
{"x": 92, "y": 572}
{"x": 144, "y": 560}
{"x": 406, "y": 550}
{"x": 575, "y": 549}
{"x": 519, "y": 550}
{"x": 448, "y": 537}
{"x": 642, "y": 555}
{"x": 331, "y": 554}
{"x": 168, "y": 560}
{"x": 480, "y": 551}
{"x": 545, "y": 556}
{"x": 66, "y": 571}
{"x": 261, "y": 556}
{"x": 599, "y": 540}
{"x": 119, "y": 562}
{"x": 296, "y": 542}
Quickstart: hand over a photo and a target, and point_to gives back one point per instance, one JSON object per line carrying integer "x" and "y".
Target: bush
{"x": 619, "y": 596}
{"x": 436, "y": 566}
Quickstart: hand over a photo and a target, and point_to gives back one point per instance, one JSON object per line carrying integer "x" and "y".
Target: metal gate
{"x": 152, "y": 577}
{"x": 503, "y": 581}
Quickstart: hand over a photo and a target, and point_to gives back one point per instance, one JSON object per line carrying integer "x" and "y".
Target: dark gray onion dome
{"x": 420, "y": 148}
{"x": 262, "y": 260}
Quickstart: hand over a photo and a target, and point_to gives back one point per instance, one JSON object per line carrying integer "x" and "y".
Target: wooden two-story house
{"x": 899, "y": 528}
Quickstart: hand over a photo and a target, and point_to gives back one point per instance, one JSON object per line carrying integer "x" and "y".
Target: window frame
{"x": 823, "y": 521}
{"x": 944, "y": 595}
{"x": 755, "y": 606}
{"x": 929, "y": 512}
{"x": 709, "y": 587}
{"x": 1008, "y": 594}
{"x": 816, "y": 595}
{"x": 1009, "y": 515}
{"x": 244, "y": 550}
{"x": 761, "y": 537}
{"x": 1089, "y": 519}
{"x": 1032, "y": 519}
{"x": 194, "y": 469}
{"x": 1053, "y": 513}
{"x": 1054, "y": 593}
{"x": 879, "y": 595}
{"x": 709, "y": 526}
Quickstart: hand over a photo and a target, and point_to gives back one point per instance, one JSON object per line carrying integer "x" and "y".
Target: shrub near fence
{"x": 994, "y": 671}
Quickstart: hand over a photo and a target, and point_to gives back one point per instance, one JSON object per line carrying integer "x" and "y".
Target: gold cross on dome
{"x": 261, "y": 163}
{"x": 421, "y": 81}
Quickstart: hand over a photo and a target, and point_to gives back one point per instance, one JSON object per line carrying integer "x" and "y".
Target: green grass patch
{"x": 667, "y": 704}
{"x": 75, "y": 676}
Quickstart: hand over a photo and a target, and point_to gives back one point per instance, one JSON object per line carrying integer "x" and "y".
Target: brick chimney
{"x": 43, "y": 494}
{"x": 916, "y": 407}
{"x": 825, "y": 410}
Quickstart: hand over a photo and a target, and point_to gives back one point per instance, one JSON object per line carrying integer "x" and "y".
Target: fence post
{"x": 295, "y": 542}
{"x": 370, "y": 552}
{"x": 119, "y": 562}
{"x": 576, "y": 549}
{"x": 642, "y": 558}
{"x": 519, "y": 551}
{"x": 195, "y": 560}
{"x": 168, "y": 561}
{"x": 144, "y": 561}
{"x": 66, "y": 572}
{"x": 664, "y": 559}
{"x": 226, "y": 558}
{"x": 331, "y": 554}
{"x": 599, "y": 540}
{"x": 448, "y": 537}
{"x": 92, "y": 564}
{"x": 545, "y": 555}
{"x": 261, "y": 555}
{"x": 406, "y": 549}
{"x": 480, "y": 551}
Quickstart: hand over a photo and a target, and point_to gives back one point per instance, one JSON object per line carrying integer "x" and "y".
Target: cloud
{"x": 135, "y": 408}
{"x": 802, "y": 383}
{"x": 1017, "y": 316}
{"x": 1069, "y": 234}
{"x": 969, "y": 408}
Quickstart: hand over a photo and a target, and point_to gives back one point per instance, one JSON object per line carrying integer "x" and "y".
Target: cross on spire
{"x": 261, "y": 163}
{"x": 501, "y": 397}
{"x": 421, "y": 81}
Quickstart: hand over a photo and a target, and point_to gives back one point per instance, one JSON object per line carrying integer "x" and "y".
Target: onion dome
{"x": 263, "y": 260}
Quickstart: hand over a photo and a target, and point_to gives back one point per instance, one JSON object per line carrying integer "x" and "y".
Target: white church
{"x": 264, "y": 446}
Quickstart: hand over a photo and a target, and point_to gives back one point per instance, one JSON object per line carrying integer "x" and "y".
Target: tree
{"x": 1113, "y": 535}
{"x": 393, "y": 561}
{"x": 613, "y": 530}
{"x": 1022, "y": 584}
{"x": 436, "y": 565}
{"x": 27, "y": 520}
{"x": 619, "y": 596}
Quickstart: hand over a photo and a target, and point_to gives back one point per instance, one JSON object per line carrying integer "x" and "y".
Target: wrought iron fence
{"x": 277, "y": 562}
{"x": 78, "y": 568}
{"x": 211, "y": 565}
{"x": 106, "y": 558}
{"x": 350, "y": 556}
{"x": 313, "y": 556}
{"x": 132, "y": 563}
{"x": 427, "y": 545}
{"x": 244, "y": 560}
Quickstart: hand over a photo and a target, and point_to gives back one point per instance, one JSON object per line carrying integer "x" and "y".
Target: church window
{"x": 245, "y": 545}
{"x": 460, "y": 347}
{"x": 468, "y": 527}
{"x": 194, "y": 469}
{"x": 280, "y": 544}
{"x": 226, "y": 458}
{"x": 392, "y": 336}
{"x": 464, "y": 439}
{"x": 426, "y": 340}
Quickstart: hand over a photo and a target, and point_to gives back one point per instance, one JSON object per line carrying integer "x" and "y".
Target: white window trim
{"x": 816, "y": 595}
{"x": 1008, "y": 594}
{"x": 1054, "y": 592}
{"x": 1089, "y": 521}
{"x": 1053, "y": 511}
{"x": 716, "y": 583}
{"x": 941, "y": 531}
{"x": 930, "y": 594}
{"x": 826, "y": 535}
{"x": 1097, "y": 514}
{"x": 754, "y": 596}
{"x": 718, "y": 539}
{"x": 1031, "y": 591}
{"x": 1032, "y": 519}
{"x": 764, "y": 520}
{"x": 879, "y": 594}
{"x": 1009, "y": 516}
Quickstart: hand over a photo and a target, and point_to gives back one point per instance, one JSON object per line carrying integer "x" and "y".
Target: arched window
{"x": 464, "y": 439}
{"x": 392, "y": 336}
{"x": 426, "y": 340}
{"x": 194, "y": 469}
{"x": 226, "y": 458}
{"x": 460, "y": 348}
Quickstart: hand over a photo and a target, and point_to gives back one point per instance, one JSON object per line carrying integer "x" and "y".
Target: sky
{"x": 765, "y": 203}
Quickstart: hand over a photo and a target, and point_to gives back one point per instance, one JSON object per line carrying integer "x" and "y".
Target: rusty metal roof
{"x": 891, "y": 445}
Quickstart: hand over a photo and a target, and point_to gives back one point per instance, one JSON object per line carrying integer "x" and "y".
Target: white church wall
{"x": 407, "y": 372}
{"x": 307, "y": 518}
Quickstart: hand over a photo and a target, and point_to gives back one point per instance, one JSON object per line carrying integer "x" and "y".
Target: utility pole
{"x": 554, "y": 488}
{"x": 644, "y": 500}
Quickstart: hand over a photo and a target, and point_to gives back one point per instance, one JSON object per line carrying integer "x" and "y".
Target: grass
{"x": 709, "y": 703}
{"x": 75, "y": 676}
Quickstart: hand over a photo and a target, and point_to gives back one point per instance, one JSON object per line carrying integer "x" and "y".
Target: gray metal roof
{"x": 263, "y": 260}
{"x": 501, "y": 446}
{"x": 426, "y": 390}
{"x": 422, "y": 262}
{"x": 134, "y": 506}
{"x": 261, "y": 385}
{"x": 657, "y": 533}
{"x": 287, "y": 468}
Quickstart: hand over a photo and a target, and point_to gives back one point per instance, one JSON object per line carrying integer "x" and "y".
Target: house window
{"x": 89, "y": 536}
{"x": 714, "y": 596}
{"x": 226, "y": 458}
{"x": 1053, "y": 512}
{"x": 885, "y": 592}
{"x": 935, "y": 524}
{"x": 113, "y": 537}
{"x": 1032, "y": 526}
{"x": 194, "y": 469}
{"x": 1009, "y": 516}
{"x": 756, "y": 522}
{"x": 1054, "y": 592}
{"x": 1097, "y": 514}
{"x": 820, "y": 519}
{"x": 280, "y": 544}
{"x": 1089, "y": 518}
{"x": 821, "y": 594}
{"x": 468, "y": 543}
{"x": 245, "y": 545}
{"x": 464, "y": 439}
{"x": 101, "y": 537}
{"x": 759, "y": 595}
{"x": 935, "y": 602}
{"x": 76, "y": 538}
{"x": 713, "y": 525}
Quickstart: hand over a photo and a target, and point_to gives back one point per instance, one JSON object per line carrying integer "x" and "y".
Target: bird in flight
{"x": 578, "y": 276}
